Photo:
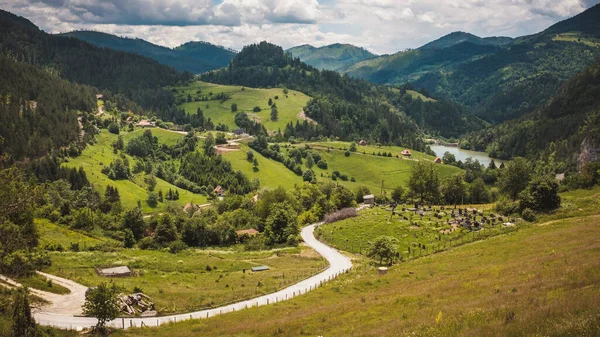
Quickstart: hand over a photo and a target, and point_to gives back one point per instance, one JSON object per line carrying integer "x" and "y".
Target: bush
{"x": 342, "y": 214}
{"x": 507, "y": 207}
{"x": 347, "y": 153}
{"x": 147, "y": 243}
{"x": 528, "y": 215}
{"x": 322, "y": 164}
{"x": 256, "y": 109}
{"x": 113, "y": 128}
{"x": 177, "y": 246}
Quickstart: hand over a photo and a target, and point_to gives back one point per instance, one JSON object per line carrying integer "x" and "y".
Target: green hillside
{"x": 195, "y": 57}
{"x": 100, "y": 154}
{"x": 219, "y": 111}
{"x": 343, "y": 106}
{"x": 332, "y": 57}
{"x": 558, "y": 129}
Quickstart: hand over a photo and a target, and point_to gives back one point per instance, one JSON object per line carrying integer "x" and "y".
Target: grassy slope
{"x": 543, "y": 280}
{"x": 271, "y": 173}
{"x": 94, "y": 157}
{"x": 247, "y": 99}
{"x": 52, "y": 234}
{"x": 355, "y": 234}
{"x": 370, "y": 170}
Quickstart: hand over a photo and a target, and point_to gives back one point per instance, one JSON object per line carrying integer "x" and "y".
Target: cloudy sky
{"x": 381, "y": 26}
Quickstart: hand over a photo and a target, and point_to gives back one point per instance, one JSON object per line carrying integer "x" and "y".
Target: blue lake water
{"x": 461, "y": 154}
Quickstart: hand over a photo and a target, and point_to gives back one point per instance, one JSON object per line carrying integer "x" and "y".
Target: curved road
{"x": 338, "y": 264}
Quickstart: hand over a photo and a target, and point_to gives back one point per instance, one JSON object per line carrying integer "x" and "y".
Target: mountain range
{"x": 332, "y": 57}
{"x": 195, "y": 57}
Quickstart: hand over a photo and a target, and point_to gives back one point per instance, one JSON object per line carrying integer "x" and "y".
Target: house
{"x": 248, "y": 232}
{"x": 239, "y": 132}
{"x": 369, "y": 199}
{"x": 362, "y": 142}
{"x": 406, "y": 153}
{"x": 144, "y": 123}
{"x": 99, "y": 96}
{"x": 121, "y": 271}
{"x": 438, "y": 160}
{"x": 219, "y": 191}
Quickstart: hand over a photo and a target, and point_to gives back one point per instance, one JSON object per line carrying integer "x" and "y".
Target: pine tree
{"x": 23, "y": 323}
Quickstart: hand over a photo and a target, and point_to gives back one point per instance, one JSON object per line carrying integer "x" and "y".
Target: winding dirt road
{"x": 55, "y": 316}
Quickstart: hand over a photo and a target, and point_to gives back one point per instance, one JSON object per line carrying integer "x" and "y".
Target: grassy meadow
{"x": 246, "y": 99}
{"x": 192, "y": 279}
{"x": 542, "y": 280}
{"x": 99, "y": 154}
{"x": 417, "y": 235}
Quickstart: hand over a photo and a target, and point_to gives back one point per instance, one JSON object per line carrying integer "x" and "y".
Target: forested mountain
{"x": 559, "y": 127}
{"x": 498, "y": 83}
{"x": 195, "y": 57}
{"x": 333, "y": 57}
{"x": 455, "y": 38}
{"x": 138, "y": 78}
{"x": 214, "y": 56}
{"x": 38, "y": 110}
{"x": 411, "y": 65}
{"x": 342, "y": 106}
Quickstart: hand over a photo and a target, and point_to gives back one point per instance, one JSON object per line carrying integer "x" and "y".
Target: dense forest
{"x": 38, "y": 110}
{"x": 138, "y": 78}
{"x": 342, "y": 106}
{"x": 559, "y": 127}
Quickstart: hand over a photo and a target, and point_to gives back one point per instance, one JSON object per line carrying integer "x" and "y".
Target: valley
{"x": 155, "y": 183}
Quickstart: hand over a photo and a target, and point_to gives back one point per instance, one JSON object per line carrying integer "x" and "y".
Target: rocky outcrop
{"x": 590, "y": 152}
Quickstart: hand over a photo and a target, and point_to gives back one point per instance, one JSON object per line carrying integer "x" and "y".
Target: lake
{"x": 462, "y": 154}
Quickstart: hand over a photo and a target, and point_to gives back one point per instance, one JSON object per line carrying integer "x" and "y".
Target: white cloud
{"x": 382, "y": 26}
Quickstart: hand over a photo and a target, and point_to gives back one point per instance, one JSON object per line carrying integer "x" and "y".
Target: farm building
{"x": 438, "y": 160}
{"x": 406, "y": 153}
{"x": 249, "y": 232}
{"x": 121, "y": 271}
{"x": 369, "y": 199}
{"x": 99, "y": 96}
{"x": 219, "y": 191}
{"x": 144, "y": 123}
{"x": 362, "y": 142}
{"x": 239, "y": 132}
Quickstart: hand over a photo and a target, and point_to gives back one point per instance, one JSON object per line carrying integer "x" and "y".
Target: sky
{"x": 380, "y": 26}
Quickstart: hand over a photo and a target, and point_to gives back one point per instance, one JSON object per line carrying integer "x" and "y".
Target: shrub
{"x": 342, "y": 214}
{"x": 528, "y": 215}
{"x": 256, "y": 109}
{"x": 177, "y": 246}
{"x": 147, "y": 243}
{"x": 113, "y": 128}
{"x": 507, "y": 207}
{"x": 347, "y": 153}
{"x": 322, "y": 164}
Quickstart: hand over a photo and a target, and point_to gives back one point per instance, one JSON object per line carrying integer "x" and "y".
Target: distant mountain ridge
{"x": 500, "y": 79}
{"x": 455, "y": 38}
{"x": 332, "y": 57}
{"x": 195, "y": 57}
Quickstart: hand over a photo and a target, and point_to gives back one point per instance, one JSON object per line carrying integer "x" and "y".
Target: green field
{"x": 54, "y": 235}
{"x": 246, "y": 99}
{"x": 367, "y": 170}
{"x": 182, "y": 282}
{"x": 542, "y": 280}
{"x": 96, "y": 156}
{"x": 416, "y": 235}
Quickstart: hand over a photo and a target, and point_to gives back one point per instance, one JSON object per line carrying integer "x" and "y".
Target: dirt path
{"x": 69, "y": 304}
